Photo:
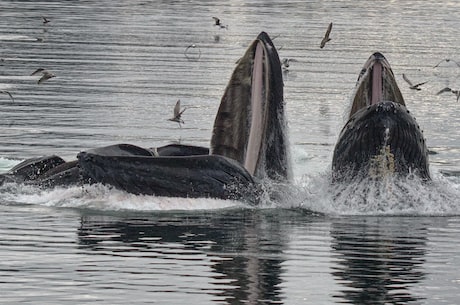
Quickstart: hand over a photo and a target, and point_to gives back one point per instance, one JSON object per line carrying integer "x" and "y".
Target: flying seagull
{"x": 46, "y": 75}
{"x": 45, "y": 20}
{"x": 285, "y": 63}
{"x": 219, "y": 24}
{"x": 6, "y": 92}
{"x": 178, "y": 114}
{"x": 326, "y": 36}
{"x": 411, "y": 85}
{"x": 447, "y": 89}
{"x": 446, "y": 60}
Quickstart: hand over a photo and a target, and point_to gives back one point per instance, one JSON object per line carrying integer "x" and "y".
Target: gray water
{"x": 121, "y": 66}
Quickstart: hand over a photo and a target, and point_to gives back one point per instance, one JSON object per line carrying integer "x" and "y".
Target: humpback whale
{"x": 250, "y": 126}
{"x": 381, "y": 137}
{"x": 248, "y": 145}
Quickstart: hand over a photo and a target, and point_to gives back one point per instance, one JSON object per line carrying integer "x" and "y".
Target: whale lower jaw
{"x": 380, "y": 140}
{"x": 172, "y": 176}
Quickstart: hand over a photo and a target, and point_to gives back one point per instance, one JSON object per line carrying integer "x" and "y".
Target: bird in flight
{"x": 46, "y": 75}
{"x": 446, "y": 60}
{"x": 219, "y": 24}
{"x": 411, "y": 85}
{"x": 177, "y": 114}
{"x": 326, "y": 36}
{"x": 286, "y": 62}
{"x": 447, "y": 89}
{"x": 6, "y": 92}
{"x": 45, "y": 20}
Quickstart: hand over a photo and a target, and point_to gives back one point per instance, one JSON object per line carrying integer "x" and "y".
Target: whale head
{"x": 250, "y": 125}
{"x": 381, "y": 137}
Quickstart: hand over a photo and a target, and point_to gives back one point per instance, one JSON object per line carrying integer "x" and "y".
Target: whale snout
{"x": 387, "y": 106}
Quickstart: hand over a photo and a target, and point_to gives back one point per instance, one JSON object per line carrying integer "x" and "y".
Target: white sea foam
{"x": 100, "y": 197}
{"x": 393, "y": 196}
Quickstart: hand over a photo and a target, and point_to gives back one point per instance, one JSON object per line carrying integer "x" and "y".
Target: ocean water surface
{"x": 121, "y": 66}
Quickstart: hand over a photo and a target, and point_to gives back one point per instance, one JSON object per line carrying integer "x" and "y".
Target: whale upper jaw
{"x": 250, "y": 125}
{"x": 376, "y": 83}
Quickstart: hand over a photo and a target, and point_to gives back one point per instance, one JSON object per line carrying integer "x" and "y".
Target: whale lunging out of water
{"x": 248, "y": 144}
{"x": 381, "y": 137}
{"x": 249, "y": 141}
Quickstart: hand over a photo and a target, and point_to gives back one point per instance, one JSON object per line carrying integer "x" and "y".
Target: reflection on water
{"x": 243, "y": 248}
{"x": 379, "y": 260}
{"x": 228, "y": 256}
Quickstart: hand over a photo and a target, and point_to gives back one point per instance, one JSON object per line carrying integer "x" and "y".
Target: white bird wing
{"x": 177, "y": 109}
{"x": 46, "y": 76}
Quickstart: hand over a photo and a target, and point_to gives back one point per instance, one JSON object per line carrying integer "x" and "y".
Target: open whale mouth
{"x": 381, "y": 138}
{"x": 250, "y": 125}
{"x": 376, "y": 83}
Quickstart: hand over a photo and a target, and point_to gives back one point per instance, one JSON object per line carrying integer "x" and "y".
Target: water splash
{"x": 100, "y": 197}
{"x": 391, "y": 196}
